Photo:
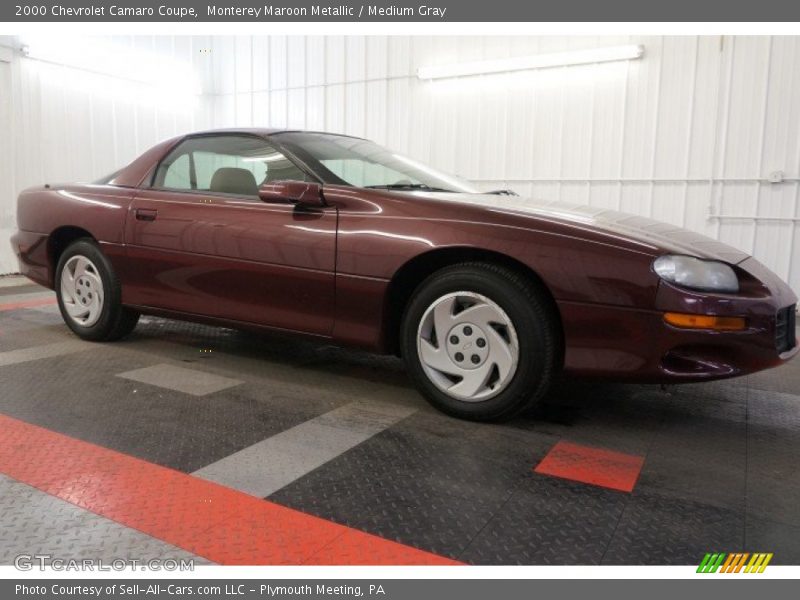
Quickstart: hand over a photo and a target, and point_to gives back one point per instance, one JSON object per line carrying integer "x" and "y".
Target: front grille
{"x": 784, "y": 329}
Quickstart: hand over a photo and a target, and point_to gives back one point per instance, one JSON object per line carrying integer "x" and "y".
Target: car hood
{"x": 663, "y": 236}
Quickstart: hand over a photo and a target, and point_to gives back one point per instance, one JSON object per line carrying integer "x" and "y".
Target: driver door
{"x": 201, "y": 242}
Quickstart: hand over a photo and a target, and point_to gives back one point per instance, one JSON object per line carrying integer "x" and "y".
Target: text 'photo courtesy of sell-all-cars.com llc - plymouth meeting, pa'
{"x": 486, "y": 298}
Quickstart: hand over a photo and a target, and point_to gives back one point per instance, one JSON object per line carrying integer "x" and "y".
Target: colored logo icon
{"x": 735, "y": 562}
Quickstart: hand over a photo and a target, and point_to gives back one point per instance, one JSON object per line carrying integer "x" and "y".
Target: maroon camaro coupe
{"x": 486, "y": 298}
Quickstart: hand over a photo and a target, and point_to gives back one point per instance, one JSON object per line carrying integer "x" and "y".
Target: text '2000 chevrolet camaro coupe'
{"x": 486, "y": 298}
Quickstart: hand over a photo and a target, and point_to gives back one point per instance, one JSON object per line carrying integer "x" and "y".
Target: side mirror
{"x": 304, "y": 193}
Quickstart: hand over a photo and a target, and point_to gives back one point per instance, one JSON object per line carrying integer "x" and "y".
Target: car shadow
{"x": 569, "y": 403}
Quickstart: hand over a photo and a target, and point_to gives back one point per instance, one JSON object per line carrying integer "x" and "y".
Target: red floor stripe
{"x": 27, "y": 304}
{"x": 219, "y": 523}
{"x": 596, "y": 466}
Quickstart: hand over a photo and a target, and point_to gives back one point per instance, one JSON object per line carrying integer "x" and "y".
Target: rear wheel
{"x": 480, "y": 341}
{"x": 89, "y": 294}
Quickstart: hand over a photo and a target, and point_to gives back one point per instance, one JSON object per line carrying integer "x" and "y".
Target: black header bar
{"x": 264, "y": 11}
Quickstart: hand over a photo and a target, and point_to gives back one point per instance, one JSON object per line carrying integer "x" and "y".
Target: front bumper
{"x": 637, "y": 345}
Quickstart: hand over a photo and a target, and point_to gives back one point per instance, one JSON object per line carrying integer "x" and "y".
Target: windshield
{"x": 361, "y": 163}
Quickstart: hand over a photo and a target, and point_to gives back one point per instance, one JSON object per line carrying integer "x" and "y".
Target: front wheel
{"x": 481, "y": 341}
{"x": 89, "y": 294}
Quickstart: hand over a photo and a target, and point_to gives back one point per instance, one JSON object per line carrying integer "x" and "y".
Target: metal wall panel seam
{"x": 690, "y": 130}
{"x": 656, "y": 119}
{"x": 764, "y": 110}
{"x": 623, "y": 133}
{"x": 725, "y": 75}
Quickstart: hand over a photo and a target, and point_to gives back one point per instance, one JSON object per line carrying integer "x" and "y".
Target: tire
{"x": 89, "y": 294}
{"x": 501, "y": 348}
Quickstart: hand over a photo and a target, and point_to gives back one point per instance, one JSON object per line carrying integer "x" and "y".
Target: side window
{"x": 177, "y": 175}
{"x": 224, "y": 164}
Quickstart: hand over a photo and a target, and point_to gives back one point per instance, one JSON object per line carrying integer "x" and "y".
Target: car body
{"x": 344, "y": 266}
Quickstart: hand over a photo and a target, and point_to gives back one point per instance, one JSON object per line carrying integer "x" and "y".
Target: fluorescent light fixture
{"x": 525, "y": 63}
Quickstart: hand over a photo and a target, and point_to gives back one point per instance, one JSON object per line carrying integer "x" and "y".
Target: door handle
{"x": 146, "y": 214}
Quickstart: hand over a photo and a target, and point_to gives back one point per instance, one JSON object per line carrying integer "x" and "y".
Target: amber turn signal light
{"x": 688, "y": 321}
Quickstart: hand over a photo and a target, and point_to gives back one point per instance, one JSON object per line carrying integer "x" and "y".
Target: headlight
{"x": 690, "y": 272}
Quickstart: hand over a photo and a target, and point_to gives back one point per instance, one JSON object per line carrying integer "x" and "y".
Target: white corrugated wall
{"x": 688, "y": 134}
{"x": 7, "y": 209}
{"x": 70, "y": 124}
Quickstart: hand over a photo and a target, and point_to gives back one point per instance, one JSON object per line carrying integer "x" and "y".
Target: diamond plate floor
{"x": 719, "y": 471}
{"x": 37, "y": 524}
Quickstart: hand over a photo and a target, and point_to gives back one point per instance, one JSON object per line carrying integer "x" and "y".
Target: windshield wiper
{"x": 407, "y": 186}
{"x": 503, "y": 193}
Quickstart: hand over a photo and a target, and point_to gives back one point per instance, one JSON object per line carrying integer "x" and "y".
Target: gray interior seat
{"x": 233, "y": 180}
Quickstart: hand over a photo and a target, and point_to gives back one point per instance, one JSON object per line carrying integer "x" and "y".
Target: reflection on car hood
{"x": 641, "y": 229}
